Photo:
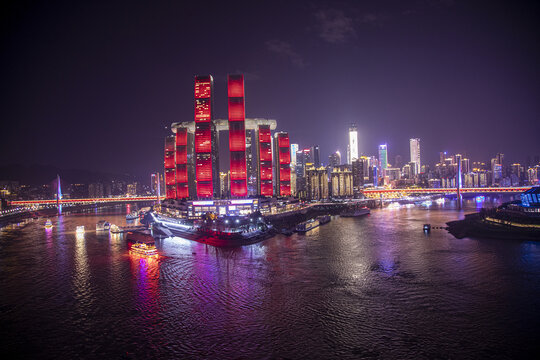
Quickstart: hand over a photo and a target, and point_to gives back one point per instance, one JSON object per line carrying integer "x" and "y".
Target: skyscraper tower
{"x": 353, "y": 144}
{"x": 237, "y": 136}
{"x": 182, "y": 186}
{"x": 206, "y": 139}
{"x": 282, "y": 153}
{"x": 383, "y": 156}
{"x": 264, "y": 156}
{"x": 415, "y": 154}
{"x": 170, "y": 168}
{"x": 315, "y": 153}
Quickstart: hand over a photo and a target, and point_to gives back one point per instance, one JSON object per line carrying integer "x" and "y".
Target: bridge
{"x": 88, "y": 201}
{"x": 399, "y": 193}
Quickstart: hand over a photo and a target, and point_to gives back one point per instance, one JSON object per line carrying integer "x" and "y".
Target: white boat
{"x": 48, "y": 224}
{"x": 103, "y": 225}
{"x": 307, "y": 225}
{"x": 115, "y": 229}
{"x": 132, "y": 215}
{"x": 80, "y": 229}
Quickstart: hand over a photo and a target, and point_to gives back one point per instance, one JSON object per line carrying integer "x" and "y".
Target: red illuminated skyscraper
{"x": 237, "y": 135}
{"x": 282, "y": 153}
{"x": 206, "y": 149}
{"x": 182, "y": 190}
{"x": 264, "y": 157}
{"x": 170, "y": 178}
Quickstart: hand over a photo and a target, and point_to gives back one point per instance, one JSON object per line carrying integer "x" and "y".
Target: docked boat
{"x": 356, "y": 212}
{"x": 323, "y": 219}
{"x": 103, "y": 225}
{"x": 307, "y": 225}
{"x": 48, "y": 224}
{"x": 213, "y": 230}
{"x": 115, "y": 229}
{"x": 132, "y": 215}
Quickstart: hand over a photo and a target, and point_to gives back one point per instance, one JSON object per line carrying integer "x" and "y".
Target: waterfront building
{"x": 251, "y": 169}
{"x": 342, "y": 182}
{"x": 95, "y": 190}
{"x": 383, "y": 156}
{"x": 282, "y": 164}
{"x": 317, "y": 182}
{"x": 132, "y": 189}
{"x": 264, "y": 154}
{"x": 182, "y": 181}
{"x": 533, "y": 174}
{"x": 393, "y": 173}
{"x": 237, "y": 136}
{"x": 170, "y": 167}
{"x": 206, "y": 139}
{"x": 352, "y": 152}
{"x": 358, "y": 175}
{"x": 415, "y": 154}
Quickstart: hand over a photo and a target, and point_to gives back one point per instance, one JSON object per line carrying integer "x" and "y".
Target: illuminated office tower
{"x": 206, "y": 140}
{"x": 383, "y": 156}
{"x": 237, "y": 136}
{"x": 282, "y": 153}
{"x": 251, "y": 170}
{"x": 182, "y": 189}
{"x": 170, "y": 168}
{"x": 315, "y": 153}
{"x": 352, "y": 153}
{"x": 264, "y": 157}
{"x": 334, "y": 159}
{"x": 294, "y": 150}
{"x": 415, "y": 154}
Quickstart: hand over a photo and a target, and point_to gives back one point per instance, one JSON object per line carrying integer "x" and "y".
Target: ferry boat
{"x": 80, "y": 229}
{"x": 48, "y": 224}
{"x": 307, "y": 225}
{"x": 356, "y": 212}
{"x": 142, "y": 243}
{"x": 103, "y": 225}
{"x": 323, "y": 219}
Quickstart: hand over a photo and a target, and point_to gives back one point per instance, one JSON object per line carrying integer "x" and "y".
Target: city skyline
{"x": 458, "y": 87}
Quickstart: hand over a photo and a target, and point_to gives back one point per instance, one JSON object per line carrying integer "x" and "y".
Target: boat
{"x": 80, "y": 229}
{"x": 142, "y": 243}
{"x": 48, "y": 224}
{"x": 221, "y": 231}
{"x": 287, "y": 232}
{"x": 103, "y": 225}
{"x": 356, "y": 212}
{"x": 115, "y": 229}
{"x": 132, "y": 215}
{"x": 307, "y": 225}
{"x": 323, "y": 219}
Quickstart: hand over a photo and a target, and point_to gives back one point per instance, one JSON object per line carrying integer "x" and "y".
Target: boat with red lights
{"x": 142, "y": 243}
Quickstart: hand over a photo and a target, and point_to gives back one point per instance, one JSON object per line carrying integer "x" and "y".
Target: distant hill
{"x": 44, "y": 174}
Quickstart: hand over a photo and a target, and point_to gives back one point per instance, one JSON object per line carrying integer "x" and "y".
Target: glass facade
{"x": 237, "y": 136}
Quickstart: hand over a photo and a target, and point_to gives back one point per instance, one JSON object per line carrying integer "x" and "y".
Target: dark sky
{"x": 93, "y": 85}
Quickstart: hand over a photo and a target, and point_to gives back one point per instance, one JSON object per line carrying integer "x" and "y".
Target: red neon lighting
{"x": 202, "y": 110}
{"x": 284, "y": 156}
{"x": 284, "y": 173}
{"x": 236, "y": 85}
{"x": 266, "y": 171}
{"x": 181, "y": 173}
{"x": 181, "y": 137}
{"x": 203, "y": 87}
{"x": 285, "y": 189}
{"x": 236, "y": 109}
{"x": 203, "y": 138}
{"x": 266, "y": 189}
{"x": 238, "y": 188}
{"x": 169, "y": 177}
{"x": 237, "y": 136}
{"x": 204, "y": 168}
{"x": 204, "y": 189}
{"x": 182, "y": 191}
{"x": 283, "y": 140}
{"x": 169, "y": 161}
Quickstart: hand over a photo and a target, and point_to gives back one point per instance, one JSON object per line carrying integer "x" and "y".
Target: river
{"x": 370, "y": 287}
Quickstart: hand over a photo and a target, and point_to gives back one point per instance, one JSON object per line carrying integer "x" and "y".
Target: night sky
{"x": 93, "y": 85}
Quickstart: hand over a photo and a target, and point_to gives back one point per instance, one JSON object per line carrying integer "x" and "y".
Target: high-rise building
{"x": 224, "y": 184}
{"x": 342, "y": 182}
{"x": 334, "y": 159}
{"x": 317, "y": 183}
{"x": 383, "y": 156}
{"x": 251, "y": 168}
{"x": 415, "y": 154}
{"x": 206, "y": 140}
{"x": 170, "y": 167}
{"x": 353, "y": 144}
{"x": 264, "y": 156}
{"x": 282, "y": 153}
{"x": 315, "y": 153}
{"x": 294, "y": 150}
{"x": 358, "y": 174}
{"x": 182, "y": 181}
{"x": 237, "y": 136}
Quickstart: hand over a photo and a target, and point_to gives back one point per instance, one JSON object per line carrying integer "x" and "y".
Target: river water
{"x": 370, "y": 287}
